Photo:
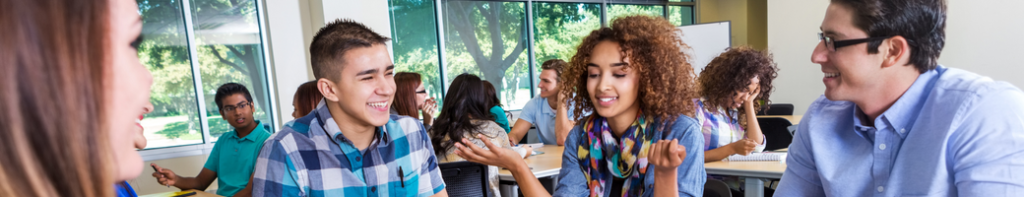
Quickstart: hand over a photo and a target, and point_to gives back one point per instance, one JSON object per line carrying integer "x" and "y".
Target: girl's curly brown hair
{"x": 731, "y": 72}
{"x": 654, "y": 49}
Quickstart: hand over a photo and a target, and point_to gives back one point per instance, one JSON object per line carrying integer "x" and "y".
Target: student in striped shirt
{"x": 350, "y": 145}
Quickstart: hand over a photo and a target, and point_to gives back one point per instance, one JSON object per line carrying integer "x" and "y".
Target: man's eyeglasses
{"x": 232, "y": 108}
{"x": 833, "y": 44}
{"x": 421, "y": 92}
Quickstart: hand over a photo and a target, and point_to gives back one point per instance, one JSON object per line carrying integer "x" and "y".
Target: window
{"x": 225, "y": 45}
{"x": 230, "y": 50}
{"x": 504, "y": 42}
{"x": 617, "y": 10}
{"x": 489, "y": 39}
{"x": 560, "y": 27}
{"x": 414, "y": 41}
{"x": 680, "y": 15}
{"x": 175, "y": 118}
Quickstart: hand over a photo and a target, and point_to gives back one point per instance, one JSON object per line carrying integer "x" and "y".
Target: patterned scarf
{"x": 602, "y": 156}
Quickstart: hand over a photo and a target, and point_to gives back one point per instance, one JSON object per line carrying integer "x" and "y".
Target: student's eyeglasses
{"x": 232, "y": 108}
{"x": 832, "y": 44}
{"x": 421, "y": 92}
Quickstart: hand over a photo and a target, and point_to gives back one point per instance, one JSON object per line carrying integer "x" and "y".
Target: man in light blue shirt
{"x": 892, "y": 122}
{"x": 544, "y": 111}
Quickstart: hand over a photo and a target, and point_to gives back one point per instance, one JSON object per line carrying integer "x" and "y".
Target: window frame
{"x": 185, "y": 150}
{"x": 532, "y": 64}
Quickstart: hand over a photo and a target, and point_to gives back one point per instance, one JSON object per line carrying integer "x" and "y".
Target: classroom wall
{"x": 980, "y": 37}
{"x": 747, "y": 18}
{"x": 183, "y": 166}
{"x": 290, "y": 32}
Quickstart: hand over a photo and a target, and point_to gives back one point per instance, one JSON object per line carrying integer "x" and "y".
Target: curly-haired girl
{"x": 636, "y": 78}
{"x": 731, "y": 86}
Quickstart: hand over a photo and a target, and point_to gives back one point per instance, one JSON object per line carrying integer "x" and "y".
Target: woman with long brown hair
{"x": 411, "y": 98}
{"x": 73, "y": 93}
{"x": 643, "y": 140}
{"x": 305, "y": 100}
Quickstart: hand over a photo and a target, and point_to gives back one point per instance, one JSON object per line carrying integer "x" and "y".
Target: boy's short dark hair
{"x": 229, "y": 89}
{"x": 921, "y": 22}
{"x": 332, "y": 41}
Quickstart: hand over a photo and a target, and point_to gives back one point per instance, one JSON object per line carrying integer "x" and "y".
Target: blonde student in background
{"x": 72, "y": 91}
{"x": 549, "y": 112}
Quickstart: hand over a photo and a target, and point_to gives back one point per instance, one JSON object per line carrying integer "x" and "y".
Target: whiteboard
{"x": 706, "y": 41}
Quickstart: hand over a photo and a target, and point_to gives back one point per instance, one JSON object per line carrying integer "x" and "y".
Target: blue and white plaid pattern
{"x": 310, "y": 157}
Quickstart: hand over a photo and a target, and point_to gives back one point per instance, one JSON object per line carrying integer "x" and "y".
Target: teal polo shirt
{"x": 233, "y": 159}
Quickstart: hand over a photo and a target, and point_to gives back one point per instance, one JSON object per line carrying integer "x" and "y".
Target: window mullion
{"x": 265, "y": 45}
{"x": 196, "y": 75}
{"x": 441, "y": 55}
{"x": 531, "y": 57}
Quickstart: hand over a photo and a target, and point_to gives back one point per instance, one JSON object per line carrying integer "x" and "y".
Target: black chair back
{"x": 776, "y": 133}
{"x": 782, "y": 109}
{"x": 716, "y": 188}
{"x": 465, "y": 178}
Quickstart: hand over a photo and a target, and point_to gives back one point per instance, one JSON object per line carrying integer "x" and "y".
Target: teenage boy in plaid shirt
{"x": 350, "y": 145}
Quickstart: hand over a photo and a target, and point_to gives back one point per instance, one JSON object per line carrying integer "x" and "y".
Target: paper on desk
{"x": 534, "y": 145}
{"x": 781, "y": 157}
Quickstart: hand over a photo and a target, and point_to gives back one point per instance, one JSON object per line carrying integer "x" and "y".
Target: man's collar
{"x": 252, "y": 134}
{"x": 901, "y": 115}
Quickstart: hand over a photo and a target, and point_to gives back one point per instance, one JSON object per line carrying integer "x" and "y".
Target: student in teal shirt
{"x": 234, "y": 155}
{"x": 495, "y": 103}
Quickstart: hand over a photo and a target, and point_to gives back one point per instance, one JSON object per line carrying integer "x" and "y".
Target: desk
{"x": 170, "y": 194}
{"x": 794, "y": 119}
{"x": 751, "y": 171}
{"x": 542, "y": 165}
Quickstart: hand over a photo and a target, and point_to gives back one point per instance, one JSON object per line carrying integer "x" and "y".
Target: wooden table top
{"x": 171, "y": 194}
{"x": 759, "y": 169}
{"x": 794, "y": 119}
{"x": 542, "y": 165}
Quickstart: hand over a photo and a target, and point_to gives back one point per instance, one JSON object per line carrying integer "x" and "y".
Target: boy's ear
{"x": 327, "y": 89}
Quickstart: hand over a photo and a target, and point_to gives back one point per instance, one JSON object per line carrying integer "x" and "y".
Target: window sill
{"x": 175, "y": 152}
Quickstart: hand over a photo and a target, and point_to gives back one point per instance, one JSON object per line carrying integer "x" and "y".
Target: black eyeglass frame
{"x": 834, "y": 45}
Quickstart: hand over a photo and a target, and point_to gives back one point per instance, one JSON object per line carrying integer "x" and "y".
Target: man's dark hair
{"x": 554, "y": 64}
{"x": 331, "y": 42}
{"x": 921, "y": 22}
{"x": 229, "y": 89}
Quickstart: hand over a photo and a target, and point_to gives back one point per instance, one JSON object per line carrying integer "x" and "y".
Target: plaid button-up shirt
{"x": 311, "y": 157}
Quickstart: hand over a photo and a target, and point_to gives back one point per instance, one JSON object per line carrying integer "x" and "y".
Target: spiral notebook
{"x": 759, "y": 157}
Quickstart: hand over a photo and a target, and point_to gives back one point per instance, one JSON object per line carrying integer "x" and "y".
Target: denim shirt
{"x": 572, "y": 181}
{"x": 952, "y": 133}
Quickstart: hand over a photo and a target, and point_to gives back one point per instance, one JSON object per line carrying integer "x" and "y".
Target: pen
{"x": 158, "y": 171}
{"x": 401, "y": 176}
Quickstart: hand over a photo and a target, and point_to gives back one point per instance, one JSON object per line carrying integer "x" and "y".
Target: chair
{"x": 465, "y": 178}
{"x": 776, "y": 132}
{"x": 783, "y": 109}
{"x": 716, "y": 188}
